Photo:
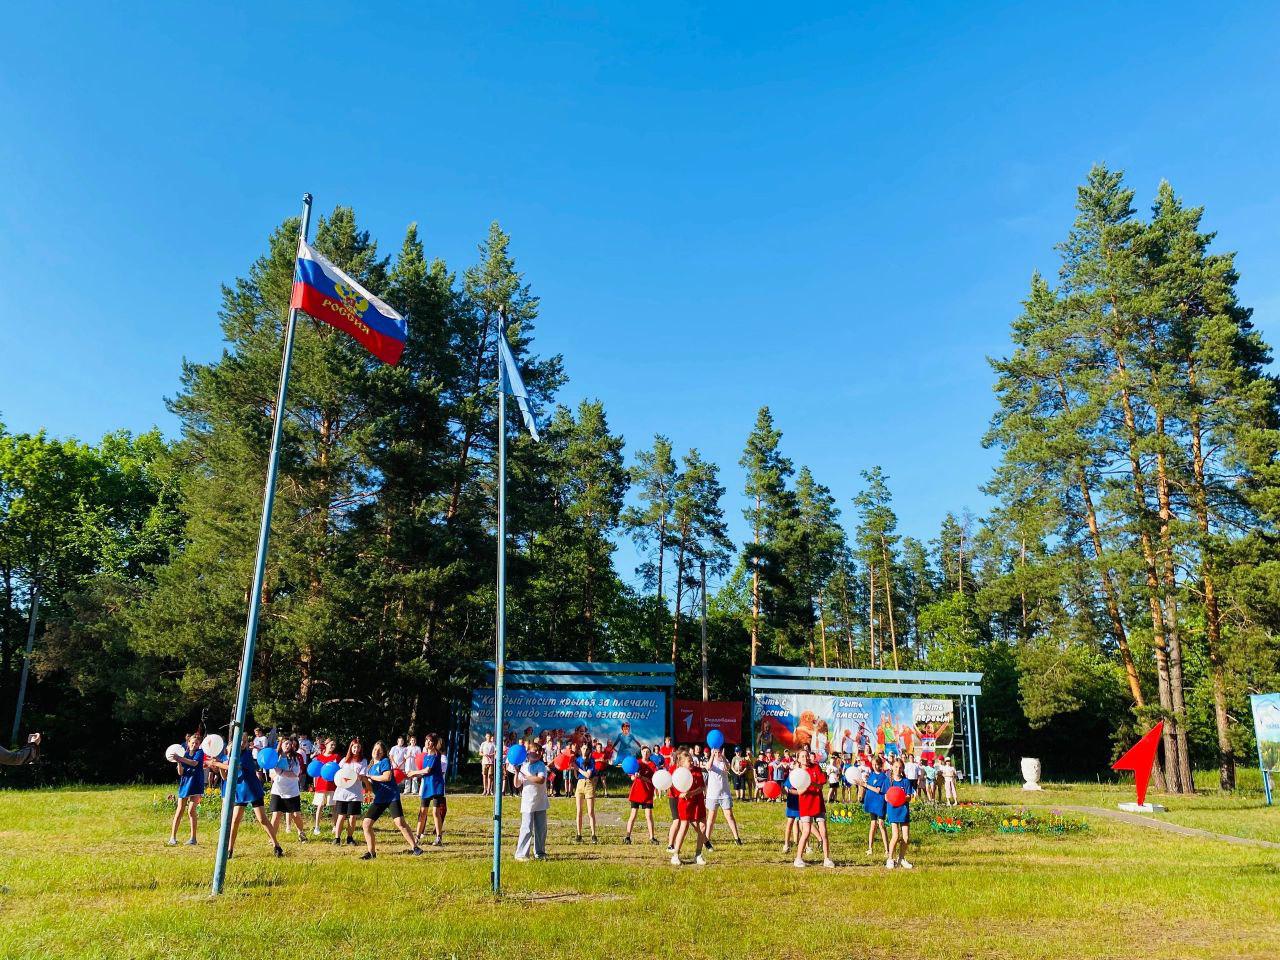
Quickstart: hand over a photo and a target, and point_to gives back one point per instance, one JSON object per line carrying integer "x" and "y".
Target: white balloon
{"x": 800, "y": 780}
{"x": 173, "y": 751}
{"x": 682, "y": 779}
{"x": 662, "y": 780}
{"x": 851, "y": 775}
{"x": 213, "y": 745}
{"x": 346, "y": 779}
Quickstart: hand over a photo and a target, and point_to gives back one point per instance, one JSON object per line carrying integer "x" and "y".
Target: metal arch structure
{"x": 965, "y": 688}
{"x": 586, "y": 675}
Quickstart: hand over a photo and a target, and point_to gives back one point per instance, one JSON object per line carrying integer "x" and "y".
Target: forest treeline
{"x": 1128, "y": 569}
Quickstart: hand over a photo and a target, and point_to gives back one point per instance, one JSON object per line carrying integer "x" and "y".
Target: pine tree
{"x": 767, "y": 472}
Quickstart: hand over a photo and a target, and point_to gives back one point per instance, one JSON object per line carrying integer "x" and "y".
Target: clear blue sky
{"x": 720, "y": 207}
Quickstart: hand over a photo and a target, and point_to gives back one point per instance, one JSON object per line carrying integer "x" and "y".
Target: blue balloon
{"x": 329, "y": 771}
{"x": 630, "y": 765}
{"x": 314, "y": 768}
{"x": 516, "y": 754}
{"x": 715, "y": 739}
{"x": 267, "y": 758}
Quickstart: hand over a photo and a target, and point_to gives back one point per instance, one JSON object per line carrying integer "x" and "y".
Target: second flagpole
{"x": 500, "y": 626}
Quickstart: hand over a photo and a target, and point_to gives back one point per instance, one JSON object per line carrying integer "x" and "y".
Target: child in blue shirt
{"x": 246, "y": 792}
{"x": 386, "y": 796}
{"x": 190, "y": 788}
{"x": 899, "y": 817}
{"x": 431, "y": 770}
{"x": 873, "y": 803}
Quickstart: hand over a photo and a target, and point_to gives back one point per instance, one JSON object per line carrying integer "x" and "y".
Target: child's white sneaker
{"x": 700, "y": 860}
{"x": 889, "y": 864}
{"x": 904, "y": 864}
{"x": 828, "y": 863}
{"x": 675, "y": 859}
{"x": 799, "y": 863}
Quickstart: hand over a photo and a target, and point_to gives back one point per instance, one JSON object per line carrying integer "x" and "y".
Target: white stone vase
{"x": 1031, "y": 773}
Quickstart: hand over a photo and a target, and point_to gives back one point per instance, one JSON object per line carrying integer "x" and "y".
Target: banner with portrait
{"x": 886, "y": 725}
{"x": 1266, "y": 727}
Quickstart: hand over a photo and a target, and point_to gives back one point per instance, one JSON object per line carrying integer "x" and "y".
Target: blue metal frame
{"x": 964, "y": 687}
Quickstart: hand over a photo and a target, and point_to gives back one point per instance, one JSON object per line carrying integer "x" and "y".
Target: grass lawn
{"x": 84, "y": 873}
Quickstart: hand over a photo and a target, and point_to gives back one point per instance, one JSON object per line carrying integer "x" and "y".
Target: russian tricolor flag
{"x": 330, "y": 296}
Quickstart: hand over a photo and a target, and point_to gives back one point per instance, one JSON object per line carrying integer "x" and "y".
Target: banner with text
{"x": 695, "y": 719}
{"x": 889, "y": 725}
{"x": 1266, "y": 726}
{"x": 573, "y": 716}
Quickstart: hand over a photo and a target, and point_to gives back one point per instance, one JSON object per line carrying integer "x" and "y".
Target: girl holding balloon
{"x": 381, "y": 776}
{"x": 431, "y": 770}
{"x": 874, "y": 786}
{"x": 246, "y": 792}
{"x": 348, "y": 792}
{"x": 584, "y": 769}
{"x": 688, "y": 784}
{"x": 642, "y": 791}
{"x": 322, "y": 785}
{"x": 806, "y": 782}
{"x": 719, "y": 796}
{"x": 898, "y": 815}
{"x": 286, "y": 787}
{"x": 190, "y": 786}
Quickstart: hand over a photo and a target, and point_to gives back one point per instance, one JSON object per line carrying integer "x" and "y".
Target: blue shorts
{"x": 793, "y": 807}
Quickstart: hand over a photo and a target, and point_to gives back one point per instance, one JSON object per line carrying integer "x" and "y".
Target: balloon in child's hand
{"x": 895, "y": 796}
{"x": 397, "y": 775}
{"x": 662, "y": 780}
{"x": 715, "y": 739}
{"x": 630, "y": 766}
{"x": 800, "y": 780}
{"x": 174, "y": 751}
{"x": 329, "y": 771}
{"x": 516, "y": 754}
{"x": 267, "y": 758}
{"x": 564, "y": 762}
{"x": 314, "y": 768}
{"x": 682, "y": 779}
{"x": 771, "y": 789}
{"x": 213, "y": 745}
{"x": 851, "y": 775}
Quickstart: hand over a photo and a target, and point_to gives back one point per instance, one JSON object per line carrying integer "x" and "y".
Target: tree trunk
{"x": 1109, "y": 593}
{"x": 675, "y": 625}
{"x": 844, "y": 612}
{"x": 1213, "y": 616}
{"x": 822, "y": 628}
{"x": 871, "y": 613}
{"x": 888, "y": 601}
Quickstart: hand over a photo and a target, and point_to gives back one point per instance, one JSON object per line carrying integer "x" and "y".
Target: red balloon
{"x": 398, "y": 775}
{"x": 896, "y": 796}
{"x": 422, "y": 761}
{"x": 563, "y": 762}
{"x": 772, "y": 789}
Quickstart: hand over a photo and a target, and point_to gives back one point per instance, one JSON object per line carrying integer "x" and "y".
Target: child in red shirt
{"x": 813, "y": 811}
{"x": 641, "y": 795}
{"x": 692, "y": 810}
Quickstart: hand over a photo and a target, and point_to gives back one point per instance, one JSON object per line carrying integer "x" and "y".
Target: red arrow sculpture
{"x": 1140, "y": 758}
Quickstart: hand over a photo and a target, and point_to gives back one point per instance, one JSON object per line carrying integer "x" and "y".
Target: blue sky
{"x": 721, "y": 206}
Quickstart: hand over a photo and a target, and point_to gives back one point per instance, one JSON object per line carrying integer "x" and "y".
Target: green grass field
{"x": 84, "y": 873}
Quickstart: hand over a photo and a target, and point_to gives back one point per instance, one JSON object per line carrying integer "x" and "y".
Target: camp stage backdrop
{"x": 787, "y": 721}
{"x": 570, "y": 715}
{"x": 1266, "y": 725}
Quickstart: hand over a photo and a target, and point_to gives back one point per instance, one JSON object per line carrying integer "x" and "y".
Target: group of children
{"x": 352, "y": 777}
{"x": 701, "y": 786}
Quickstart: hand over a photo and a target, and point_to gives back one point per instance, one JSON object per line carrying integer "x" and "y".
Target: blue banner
{"x": 572, "y": 716}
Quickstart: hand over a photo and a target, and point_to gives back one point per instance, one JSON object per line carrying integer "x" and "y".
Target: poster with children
{"x": 573, "y": 716}
{"x": 885, "y": 725}
{"x": 1266, "y": 727}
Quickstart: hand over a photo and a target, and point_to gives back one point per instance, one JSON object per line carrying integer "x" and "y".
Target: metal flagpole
{"x": 705, "y": 693}
{"x": 500, "y": 639}
{"x": 26, "y": 660}
{"x": 255, "y": 596}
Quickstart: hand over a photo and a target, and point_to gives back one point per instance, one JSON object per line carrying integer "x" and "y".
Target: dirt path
{"x": 1143, "y": 821}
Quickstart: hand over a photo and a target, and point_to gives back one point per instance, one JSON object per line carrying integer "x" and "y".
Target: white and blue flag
{"x": 513, "y": 385}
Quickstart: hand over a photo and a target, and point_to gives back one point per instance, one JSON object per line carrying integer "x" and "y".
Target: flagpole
{"x": 255, "y": 595}
{"x": 500, "y": 640}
